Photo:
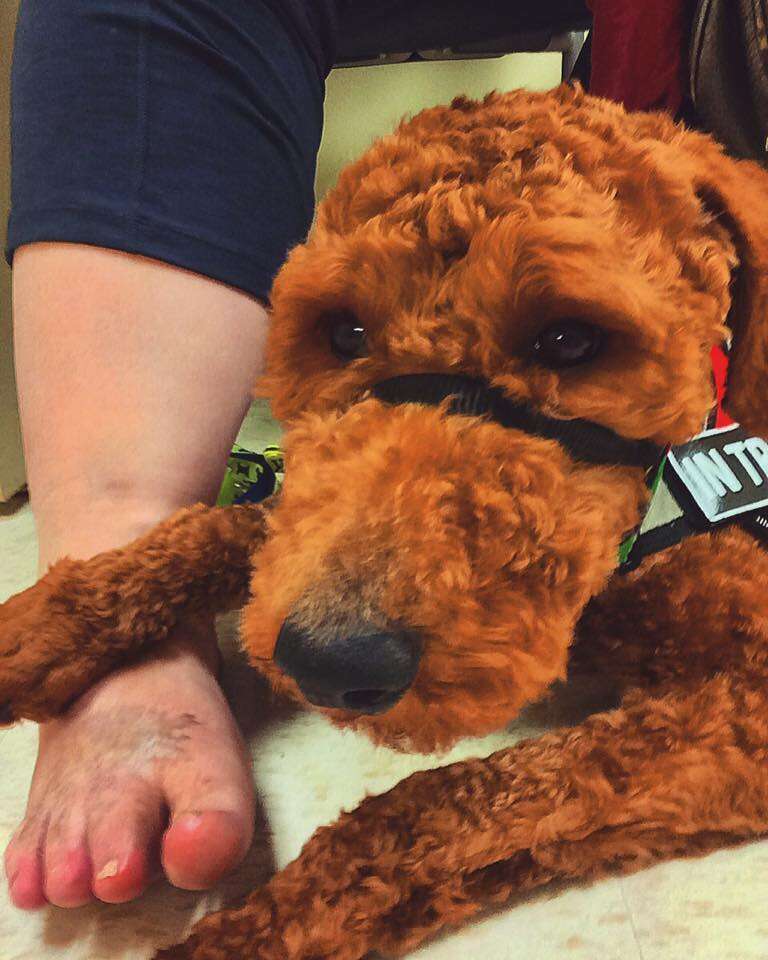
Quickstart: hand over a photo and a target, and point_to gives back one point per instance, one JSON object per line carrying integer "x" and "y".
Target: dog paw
{"x": 46, "y": 659}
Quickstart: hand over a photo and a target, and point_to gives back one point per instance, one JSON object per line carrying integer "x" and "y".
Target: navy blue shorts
{"x": 183, "y": 130}
{"x": 187, "y": 130}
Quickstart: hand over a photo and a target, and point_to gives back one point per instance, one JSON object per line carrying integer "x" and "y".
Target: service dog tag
{"x": 724, "y": 470}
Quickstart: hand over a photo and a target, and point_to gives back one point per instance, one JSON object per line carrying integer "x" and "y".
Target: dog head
{"x": 425, "y": 571}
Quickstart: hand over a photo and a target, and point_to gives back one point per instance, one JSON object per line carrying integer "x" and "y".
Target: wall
{"x": 11, "y": 461}
{"x": 363, "y": 103}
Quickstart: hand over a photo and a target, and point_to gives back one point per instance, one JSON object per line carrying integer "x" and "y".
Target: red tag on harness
{"x": 718, "y": 417}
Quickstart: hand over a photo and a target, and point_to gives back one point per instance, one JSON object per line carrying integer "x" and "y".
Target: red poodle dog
{"x": 502, "y": 320}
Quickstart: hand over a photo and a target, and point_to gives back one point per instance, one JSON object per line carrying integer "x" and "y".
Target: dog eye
{"x": 348, "y": 338}
{"x": 567, "y": 343}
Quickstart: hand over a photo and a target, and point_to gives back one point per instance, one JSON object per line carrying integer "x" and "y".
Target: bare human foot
{"x": 147, "y": 769}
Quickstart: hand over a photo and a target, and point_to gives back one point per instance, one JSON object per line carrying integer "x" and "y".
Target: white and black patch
{"x": 725, "y": 472}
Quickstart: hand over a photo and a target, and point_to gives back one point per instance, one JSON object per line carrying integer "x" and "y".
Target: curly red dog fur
{"x": 454, "y": 242}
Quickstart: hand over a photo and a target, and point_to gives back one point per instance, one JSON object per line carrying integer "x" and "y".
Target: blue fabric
{"x": 184, "y": 130}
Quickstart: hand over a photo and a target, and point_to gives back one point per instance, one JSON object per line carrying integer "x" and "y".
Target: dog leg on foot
{"x": 86, "y": 617}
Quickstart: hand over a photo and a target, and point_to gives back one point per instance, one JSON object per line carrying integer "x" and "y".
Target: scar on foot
{"x": 133, "y": 740}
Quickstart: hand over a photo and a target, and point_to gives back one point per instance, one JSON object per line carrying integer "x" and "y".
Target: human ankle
{"x": 85, "y": 527}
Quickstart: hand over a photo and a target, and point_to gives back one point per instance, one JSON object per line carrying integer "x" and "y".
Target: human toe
{"x": 199, "y": 848}
{"x": 123, "y": 848}
{"x": 68, "y": 875}
{"x": 23, "y": 867}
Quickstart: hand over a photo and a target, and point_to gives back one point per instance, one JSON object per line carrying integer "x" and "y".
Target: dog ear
{"x": 736, "y": 193}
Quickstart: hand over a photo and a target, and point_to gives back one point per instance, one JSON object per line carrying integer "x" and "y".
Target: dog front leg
{"x": 691, "y": 613}
{"x": 85, "y": 617}
{"x": 683, "y": 773}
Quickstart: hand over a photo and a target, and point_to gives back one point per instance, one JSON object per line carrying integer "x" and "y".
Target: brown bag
{"x": 729, "y": 74}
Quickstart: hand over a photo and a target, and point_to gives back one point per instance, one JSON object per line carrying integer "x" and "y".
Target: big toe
{"x": 199, "y": 848}
{"x": 211, "y": 802}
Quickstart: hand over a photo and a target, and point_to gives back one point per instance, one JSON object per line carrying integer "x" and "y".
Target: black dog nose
{"x": 366, "y": 673}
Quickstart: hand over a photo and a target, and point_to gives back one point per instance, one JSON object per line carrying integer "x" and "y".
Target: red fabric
{"x": 639, "y": 52}
{"x": 720, "y": 374}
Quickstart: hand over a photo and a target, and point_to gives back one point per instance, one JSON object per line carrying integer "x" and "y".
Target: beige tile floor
{"x": 306, "y": 772}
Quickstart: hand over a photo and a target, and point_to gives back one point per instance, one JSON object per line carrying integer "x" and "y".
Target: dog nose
{"x": 366, "y": 673}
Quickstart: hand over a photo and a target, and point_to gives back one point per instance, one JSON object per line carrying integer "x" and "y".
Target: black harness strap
{"x": 585, "y": 441}
{"x": 682, "y": 528}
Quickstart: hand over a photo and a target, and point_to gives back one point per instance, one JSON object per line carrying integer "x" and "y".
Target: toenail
{"x": 110, "y": 869}
{"x": 189, "y": 820}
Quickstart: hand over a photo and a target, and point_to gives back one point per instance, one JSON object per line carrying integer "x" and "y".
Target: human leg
{"x": 184, "y": 138}
{"x": 141, "y": 429}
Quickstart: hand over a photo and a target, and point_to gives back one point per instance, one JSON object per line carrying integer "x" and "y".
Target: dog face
{"x": 425, "y": 571}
